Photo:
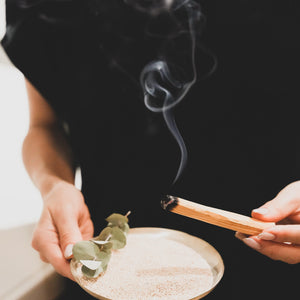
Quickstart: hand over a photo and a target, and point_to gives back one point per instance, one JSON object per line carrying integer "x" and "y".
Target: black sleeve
{"x": 25, "y": 45}
{"x": 39, "y": 41}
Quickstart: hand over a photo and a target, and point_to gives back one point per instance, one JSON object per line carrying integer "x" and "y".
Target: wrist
{"x": 49, "y": 183}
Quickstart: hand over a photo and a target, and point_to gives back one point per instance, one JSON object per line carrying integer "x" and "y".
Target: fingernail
{"x": 240, "y": 236}
{"x": 252, "y": 243}
{"x": 261, "y": 211}
{"x": 266, "y": 236}
{"x": 68, "y": 251}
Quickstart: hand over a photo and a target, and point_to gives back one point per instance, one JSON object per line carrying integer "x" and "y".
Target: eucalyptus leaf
{"x": 116, "y": 219}
{"x": 104, "y": 257}
{"x": 118, "y": 238}
{"x": 91, "y": 273}
{"x": 86, "y": 250}
{"x": 123, "y": 226}
{"x": 107, "y": 247}
{"x": 91, "y": 264}
{"x": 104, "y": 234}
{"x": 96, "y": 253}
{"x": 99, "y": 242}
{"x": 104, "y": 268}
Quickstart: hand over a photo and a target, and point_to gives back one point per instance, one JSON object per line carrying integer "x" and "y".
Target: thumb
{"x": 69, "y": 234}
{"x": 283, "y": 205}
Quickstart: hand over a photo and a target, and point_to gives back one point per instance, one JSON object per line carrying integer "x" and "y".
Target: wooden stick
{"x": 218, "y": 217}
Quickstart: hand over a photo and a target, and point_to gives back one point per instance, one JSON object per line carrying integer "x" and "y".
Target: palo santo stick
{"x": 218, "y": 217}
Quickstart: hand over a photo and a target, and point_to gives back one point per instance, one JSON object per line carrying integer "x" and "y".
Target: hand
{"x": 282, "y": 241}
{"x": 65, "y": 220}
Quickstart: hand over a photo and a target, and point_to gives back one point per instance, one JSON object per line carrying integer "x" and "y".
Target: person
{"x": 82, "y": 60}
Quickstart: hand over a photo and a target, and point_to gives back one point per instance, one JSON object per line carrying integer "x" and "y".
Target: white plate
{"x": 208, "y": 252}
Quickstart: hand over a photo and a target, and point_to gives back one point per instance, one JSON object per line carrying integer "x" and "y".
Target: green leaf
{"x": 123, "y": 226}
{"x": 96, "y": 253}
{"x": 115, "y": 235}
{"x": 107, "y": 248}
{"x": 99, "y": 242}
{"x": 91, "y": 273}
{"x": 118, "y": 238}
{"x": 104, "y": 257}
{"x": 91, "y": 264}
{"x": 116, "y": 219}
{"x": 104, "y": 268}
{"x": 86, "y": 250}
{"x": 104, "y": 234}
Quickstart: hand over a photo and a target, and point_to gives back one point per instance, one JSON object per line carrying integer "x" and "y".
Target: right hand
{"x": 282, "y": 241}
{"x": 65, "y": 220}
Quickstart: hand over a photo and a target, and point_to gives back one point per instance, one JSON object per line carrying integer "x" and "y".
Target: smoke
{"x": 173, "y": 25}
{"x": 153, "y": 7}
{"x": 31, "y": 3}
{"x": 168, "y": 79}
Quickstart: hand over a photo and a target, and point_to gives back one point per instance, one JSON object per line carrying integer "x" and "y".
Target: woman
{"x": 82, "y": 61}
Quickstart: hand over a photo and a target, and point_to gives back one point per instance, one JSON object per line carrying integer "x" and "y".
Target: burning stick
{"x": 214, "y": 216}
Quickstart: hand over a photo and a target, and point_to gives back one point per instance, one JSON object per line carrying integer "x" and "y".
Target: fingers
{"x": 65, "y": 220}
{"x": 68, "y": 232}
{"x": 46, "y": 243}
{"x": 282, "y": 234}
{"x": 288, "y": 253}
{"x": 53, "y": 254}
{"x": 87, "y": 229}
{"x": 67, "y": 228}
{"x": 284, "y": 204}
{"x": 43, "y": 258}
{"x": 275, "y": 210}
{"x": 280, "y": 242}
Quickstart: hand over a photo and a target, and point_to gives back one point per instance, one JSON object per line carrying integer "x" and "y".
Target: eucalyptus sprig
{"x": 95, "y": 254}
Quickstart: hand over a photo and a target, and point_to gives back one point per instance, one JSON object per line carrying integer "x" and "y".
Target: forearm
{"x": 47, "y": 157}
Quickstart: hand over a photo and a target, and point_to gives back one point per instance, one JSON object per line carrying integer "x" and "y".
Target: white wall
{"x": 20, "y": 202}
{"x": 2, "y": 18}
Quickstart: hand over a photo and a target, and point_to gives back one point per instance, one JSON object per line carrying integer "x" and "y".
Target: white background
{"x": 20, "y": 201}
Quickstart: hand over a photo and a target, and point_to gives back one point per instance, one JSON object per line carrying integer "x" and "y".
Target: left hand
{"x": 65, "y": 220}
{"x": 280, "y": 242}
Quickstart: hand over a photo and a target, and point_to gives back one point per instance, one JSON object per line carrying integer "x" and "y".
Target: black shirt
{"x": 240, "y": 124}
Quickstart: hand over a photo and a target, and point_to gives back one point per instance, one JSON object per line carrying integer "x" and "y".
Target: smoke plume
{"x": 165, "y": 81}
{"x": 168, "y": 79}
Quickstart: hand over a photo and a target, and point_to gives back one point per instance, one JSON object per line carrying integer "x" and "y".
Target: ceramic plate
{"x": 208, "y": 252}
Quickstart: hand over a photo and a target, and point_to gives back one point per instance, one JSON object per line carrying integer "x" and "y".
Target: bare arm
{"x": 46, "y": 154}
{"x": 65, "y": 218}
